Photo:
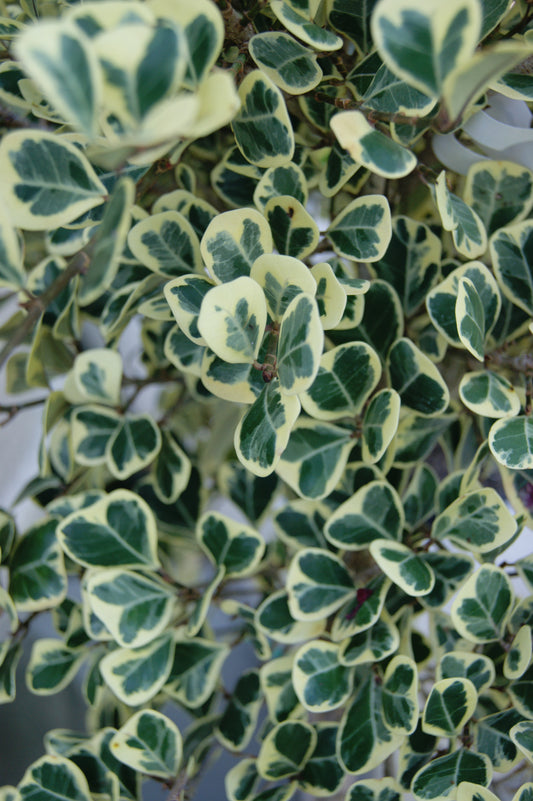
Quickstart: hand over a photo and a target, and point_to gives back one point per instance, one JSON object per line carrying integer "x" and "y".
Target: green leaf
{"x": 346, "y": 377}
{"x": 441, "y": 300}
{"x": 47, "y": 181}
{"x": 241, "y": 781}
{"x": 510, "y": 250}
{"x": 522, "y": 735}
{"x": 492, "y": 738}
{"x": 262, "y": 127}
{"x": 390, "y": 95}
{"x": 136, "y": 675}
{"x": 468, "y": 232}
{"x": 500, "y": 192}
{"x": 51, "y": 778}
{"x": 301, "y": 338}
{"x": 373, "y": 512}
{"x": 287, "y": 63}
{"x": 12, "y": 273}
{"x": 331, "y": 296}
{"x": 423, "y": 45}
{"x": 59, "y": 58}
{"x": 297, "y": 18}
{"x": 318, "y": 584}
{"x": 411, "y": 262}
{"x": 419, "y": 498}
{"x": 315, "y": 458}
{"x": 172, "y": 469}
{"x": 404, "y": 567}
{"x": 133, "y": 446}
{"x": 443, "y": 774}
{"x": 276, "y": 683}
{"x": 239, "y": 718}
{"x": 184, "y": 295}
{"x": 489, "y": 394}
{"x": 362, "y": 231}
{"x": 263, "y": 432}
{"x": 10, "y": 653}
{"x": 385, "y": 789}
{"x": 449, "y": 571}
{"x": 382, "y": 321}
{"x": 482, "y": 606}
{"x": 449, "y": 706}
{"x": 236, "y": 547}
{"x": 518, "y": 656}
{"x": 364, "y": 740}
{"x": 416, "y": 379}
{"x": 353, "y": 21}
{"x": 479, "y": 521}
{"x": 370, "y": 147}
{"x": 282, "y": 278}
{"x": 92, "y": 430}
{"x": 320, "y": 681}
{"x": 520, "y": 693}
{"x": 273, "y": 618}
{"x": 233, "y": 241}
{"x": 288, "y": 179}
{"x": 322, "y": 775}
{"x": 251, "y": 494}
{"x": 135, "y": 608}
{"x": 149, "y": 742}
{"x": 362, "y": 611}
{"x": 470, "y": 318}
{"x": 118, "y": 531}
{"x": 286, "y": 749}
{"x": 52, "y": 666}
{"x": 294, "y": 230}
{"x": 400, "y": 695}
{"x": 38, "y": 578}
{"x": 195, "y": 670}
{"x": 300, "y": 524}
{"x": 95, "y": 377}
{"x": 511, "y": 442}
{"x": 166, "y": 244}
{"x": 371, "y": 645}
{"x": 232, "y": 320}
{"x": 380, "y": 424}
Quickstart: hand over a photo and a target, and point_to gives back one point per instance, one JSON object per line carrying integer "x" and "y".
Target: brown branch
{"x": 37, "y": 305}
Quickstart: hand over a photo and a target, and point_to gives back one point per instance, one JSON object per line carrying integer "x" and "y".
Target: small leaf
{"x": 489, "y": 394}
{"x": 479, "y": 520}
{"x": 443, "y": 774}
{"x": 233, "y": 241}
{"x": 450, "y": 704}
{"x": 500, "y": 192}
{"x": 150, "y": 743}
{"x": 483, "y": 605}
{"x": 38, "y": 200}
{"x": 294, "y": 230}
{"x": 469, "y": 235}
{"x": 373, "y": 512}
{"x": 509, "y": 250}
{"x": 321, "y": 682}
{"x": 363, "y": 230}
{"x": 195, "y": 671}
{"x": 52, "y": 666}
{"x": 285, "y": 750}
{"x": 281, "y": 278}
{"x": 297, "y": 19}
{"x": 370, "y": 147}
{"x": 380, "y": 424}
{"x": 135, "y": 676}
{"x": 416, "y": 379}
{"x": 400, "y": 695}
{"x": 232, "y": 320}
{"x": 318, "y": 583}
{"x": 167, "y": 244}
{"x": 405, "y": 568}
{"x": 133, "y": 446}
{"x": 37, "y": 572}
{"x": 470, "y": 318}
{"x": 522, "y": 735}
{"x": 239, "y": 718}
{"x": 262, "y": 127}
{"x": 53, "y": 777}
{"x": 322, "y": 775}
{"x": 511, "y": 442}
{"x": 236, "y": 547}
{"x": 287, "y": 63}
{"x": 301, "y": 339}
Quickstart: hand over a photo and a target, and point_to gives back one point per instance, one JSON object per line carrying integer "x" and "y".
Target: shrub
{"x": 336, "y": 330}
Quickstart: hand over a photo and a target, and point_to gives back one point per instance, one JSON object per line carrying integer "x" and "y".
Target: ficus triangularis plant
{"x": 325, "y": 448}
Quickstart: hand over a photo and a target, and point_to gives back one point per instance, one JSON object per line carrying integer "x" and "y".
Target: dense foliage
{"x": 336, "y": 330}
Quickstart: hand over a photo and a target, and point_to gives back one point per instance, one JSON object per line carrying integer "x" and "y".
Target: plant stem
{"x": 37, "y": 305}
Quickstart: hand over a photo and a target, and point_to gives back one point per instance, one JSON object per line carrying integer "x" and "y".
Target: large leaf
{"x": 233, "y": 241}
{"x": 47, "y": 181}
{"x": 314, "y": 459}
{"x": 150, "y": 743}
{"x": 371, "y": 148}
{"x": 262, "y": 127}
{"x": 290, "y": 65}
{"x": 416, "y": 379}
{"x": 136, "y": 675}
{"x": 424, "y": 44}
{"x": 232, "y": 320}
{"x": 37, "y": 572}
{"x": 301, "y": 338}
{"x": 449, "y": 705}
{"x": 478, "y": 521}
{"x": 59, "y": 58}
{"x": 236, "y": 547}
{"x": 364, "y": 740}
{"x": 511, "y": 442}
{"x": 320, "y": 681}
{"x": 118, "y": 531}
{"x": 263, "y": 432}
{"x": 318, "y": 583}
{"x": 483, "y": 604}
{"x": 135, "y": 608}
{"x": 373, "y": 512}
{"x": 346, "y": 377}
{"x": 440, "y": 778}
{"x": 510, "y": 250}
